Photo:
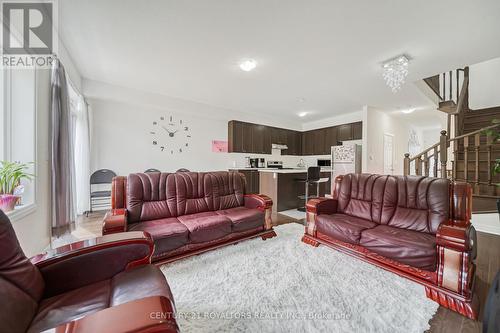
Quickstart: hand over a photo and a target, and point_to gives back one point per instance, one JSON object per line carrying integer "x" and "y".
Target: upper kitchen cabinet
{"x": 258, "y": 139}
{"x": 357, "y": 130}
{"x": 294, "y": 143}
{"x": 319, "y": 141}
{"x": 344, "y": 132}
{"x": 279, "y": 136}
{"x": 308, "y": 143}
{"x": 240, "y": 137}
{"x": 261, "y": 143}
{"x": 235, "y": 137}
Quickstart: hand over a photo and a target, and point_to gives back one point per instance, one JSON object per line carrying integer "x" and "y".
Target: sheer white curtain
{"x": 81, "y": 150}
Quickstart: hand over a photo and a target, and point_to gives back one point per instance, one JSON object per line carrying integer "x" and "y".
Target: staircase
{"x": 464, "y": 152}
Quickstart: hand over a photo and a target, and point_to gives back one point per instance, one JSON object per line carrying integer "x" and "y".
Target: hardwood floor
{"x": 444, "y": 321}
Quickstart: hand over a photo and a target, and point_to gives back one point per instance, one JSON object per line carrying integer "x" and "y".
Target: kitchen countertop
{"x": 273, "y": 170}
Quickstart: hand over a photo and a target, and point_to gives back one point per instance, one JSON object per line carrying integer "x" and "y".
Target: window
{"x": 18, "y": 124}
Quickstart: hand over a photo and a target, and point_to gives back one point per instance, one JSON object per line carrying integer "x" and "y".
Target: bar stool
{"x": 313, "y": 177}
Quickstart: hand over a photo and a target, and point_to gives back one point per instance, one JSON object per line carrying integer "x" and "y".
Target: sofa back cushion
{"x": 229, "y": 188}
{"x": 361, "y": 195}
{"x": 156, "y": 195}
{"x": 151, "y": 196}
{"x": 412, "y": 202}
{"x": 21, "y": 284}
{"x": 194, "y": 193}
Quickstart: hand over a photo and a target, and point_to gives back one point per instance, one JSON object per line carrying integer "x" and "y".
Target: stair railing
{"x": 442, "y": 86}
{"x": 475, "y": 143}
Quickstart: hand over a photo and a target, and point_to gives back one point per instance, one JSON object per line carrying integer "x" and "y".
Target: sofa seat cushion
{"x": 168, "y": 234}
{"x": 206, "y": 226}
{"x": 417, "y": 249}
{"x": 244, "y": 218}
{"x": 343, "y": 227}
{"x": 130, "y": 285}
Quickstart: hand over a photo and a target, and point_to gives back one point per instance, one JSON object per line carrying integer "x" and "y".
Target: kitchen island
{"x": 282, "y": 185}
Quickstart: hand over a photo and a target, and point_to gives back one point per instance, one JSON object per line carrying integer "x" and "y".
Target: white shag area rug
{"x": 284, "y": 285}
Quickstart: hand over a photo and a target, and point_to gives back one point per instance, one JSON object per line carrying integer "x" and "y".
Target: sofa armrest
{"x": 456, "y": 252}
{"x": 457, "y": 235}
{"x": 322, "y": 206}
{"x": 315, "y": 207}
{"x": 114, "y": 221}
{"x": 263, "y": 203}
{"x": 150, "y": 314}
{"x": 89, "y": 261}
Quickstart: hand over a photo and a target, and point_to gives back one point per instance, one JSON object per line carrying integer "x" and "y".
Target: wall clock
{"x": 170, "y": 135}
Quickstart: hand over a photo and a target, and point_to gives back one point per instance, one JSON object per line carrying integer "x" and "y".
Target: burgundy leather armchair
{"x": 187, "y": 213}
{"x": 417, "y": 227}
{"x": 105, "y": 284}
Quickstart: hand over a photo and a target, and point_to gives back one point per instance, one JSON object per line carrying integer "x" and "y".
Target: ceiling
{"x": 327, "y": 53}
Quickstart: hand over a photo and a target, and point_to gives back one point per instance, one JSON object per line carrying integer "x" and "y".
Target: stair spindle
{"x": 443, "y": 152}
{"x": 466, "y": 158}
{"x": 426, "y": 165}
{"x": 418, "y": 165}
{"x": 477, "y": 143}
{"x": 489, "y": 142}
{"x": 451, "y": 85}
{"x": 436, "y": 161}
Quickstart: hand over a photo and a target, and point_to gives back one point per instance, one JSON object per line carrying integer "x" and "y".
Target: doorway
{"x": 388, "y": 154}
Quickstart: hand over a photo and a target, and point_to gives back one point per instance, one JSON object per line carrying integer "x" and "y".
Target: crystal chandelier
{"x": 395, "y": 72}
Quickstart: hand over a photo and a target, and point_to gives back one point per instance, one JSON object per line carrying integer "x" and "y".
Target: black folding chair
{"x": 100, "y": 198}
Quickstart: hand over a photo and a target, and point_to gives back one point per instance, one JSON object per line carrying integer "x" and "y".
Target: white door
{"x": 388, "y": 154}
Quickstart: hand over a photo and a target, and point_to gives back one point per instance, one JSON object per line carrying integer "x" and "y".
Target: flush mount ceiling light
{"x": 248, "y": 64}
{"x": 303, "y": 114}
{"x": 406, "y": 111}
{"x": 395, "y": 72}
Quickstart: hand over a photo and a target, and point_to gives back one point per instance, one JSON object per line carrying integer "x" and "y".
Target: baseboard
{"x": 489, "y": 223}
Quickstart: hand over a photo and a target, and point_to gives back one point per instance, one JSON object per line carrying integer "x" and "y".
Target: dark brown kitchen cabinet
{"x": 235, "y": 137}
{"x": 357, "y": 131}
{"x": 293, "y": 141}
{"x": 252, "y": 179}
{"x": 319, "y": 141}
{"x": 261, "y": 139}
{"x": 278, "y": 136}
{"x": 330, "y": 138}
{"x": 308, "y": 143}
{"x": 344, "y": 132}
{"x": 258, "y": 139}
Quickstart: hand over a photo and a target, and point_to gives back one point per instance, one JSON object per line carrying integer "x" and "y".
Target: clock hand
{"x": 166, "y": 129}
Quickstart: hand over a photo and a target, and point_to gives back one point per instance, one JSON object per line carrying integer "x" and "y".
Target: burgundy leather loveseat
{"x": 187, "y": 213}
{"x": 417, "y": 227}
{"x": 105, "y": 284}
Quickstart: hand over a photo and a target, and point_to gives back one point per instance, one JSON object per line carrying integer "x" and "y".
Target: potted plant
{"x": 11, "y": 174}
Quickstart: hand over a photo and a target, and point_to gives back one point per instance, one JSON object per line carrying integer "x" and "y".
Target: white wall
{"x": 122, "y": 119}
{"x": 379, "y": 123}
{"x": 345, "y": 118}
{"x": 121, "y": 141}
{"x": 484, "y": 91}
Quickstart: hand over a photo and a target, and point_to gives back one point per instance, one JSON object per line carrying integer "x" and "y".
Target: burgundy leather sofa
{"x": 187, "y": 213}
{"x": 417, "y": 227}
{"x": 105, "y": 284}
